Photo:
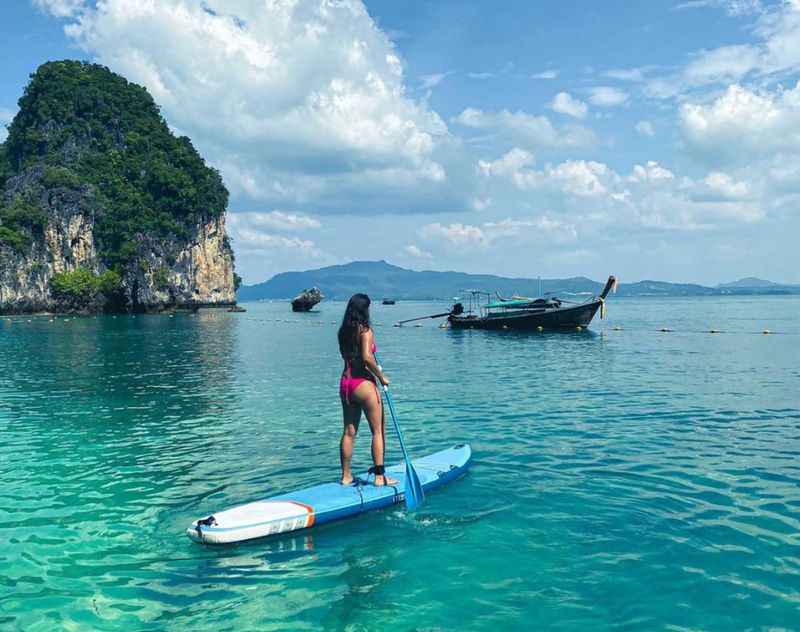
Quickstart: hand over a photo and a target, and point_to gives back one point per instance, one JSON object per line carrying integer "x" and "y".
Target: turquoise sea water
{"x": 622, "y": 479}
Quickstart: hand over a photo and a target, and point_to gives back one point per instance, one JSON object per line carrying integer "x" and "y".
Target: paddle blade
{"x": 413, "y": 488}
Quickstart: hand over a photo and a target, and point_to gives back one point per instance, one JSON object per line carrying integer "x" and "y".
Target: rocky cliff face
{"x": 101, "y": 208}
{"x": 198, "y": 271}
{"x": 167, "y": 273}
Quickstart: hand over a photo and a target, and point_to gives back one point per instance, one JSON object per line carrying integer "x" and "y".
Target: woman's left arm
{"x": 368, "y": 358}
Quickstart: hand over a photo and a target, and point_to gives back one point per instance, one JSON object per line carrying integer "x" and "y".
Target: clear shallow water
{"x": 627, "y": 479}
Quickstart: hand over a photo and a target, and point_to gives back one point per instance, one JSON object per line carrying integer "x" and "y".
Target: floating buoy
{"x": 766, "y": 331}
{"x": 397, "y": 325}
{"x": 504, "y": 326}
{"x": 713, "y": 331}
{"x": 617, "y": 328}
{"x": 578, "y": 328}
{"x": 666, "y": 329}
{"x": 540, "y": 328}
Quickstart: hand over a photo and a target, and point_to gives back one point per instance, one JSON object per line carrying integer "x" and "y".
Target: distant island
{"x": 102, "y": 208}
{"x": 381, "y": 279}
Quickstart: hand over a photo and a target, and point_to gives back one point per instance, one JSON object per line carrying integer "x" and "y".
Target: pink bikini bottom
{"x": 348, "y": 386}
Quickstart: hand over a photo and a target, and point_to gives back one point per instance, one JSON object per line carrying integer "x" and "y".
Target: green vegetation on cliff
{"x": 82, "y": 285}
{"x": 89, "y": 126}
{"x": 19, "y": 219}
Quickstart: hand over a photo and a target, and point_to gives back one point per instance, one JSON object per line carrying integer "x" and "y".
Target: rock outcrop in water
{"x": 101, "y": 207}
{"x": 304, "y": 301}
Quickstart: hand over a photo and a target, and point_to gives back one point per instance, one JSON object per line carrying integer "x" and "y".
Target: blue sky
{"x": 650, "y": 140}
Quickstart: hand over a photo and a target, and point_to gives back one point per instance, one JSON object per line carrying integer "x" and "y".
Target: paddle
{"x": 413, "y": 488}
{"x": 456, "y": 310}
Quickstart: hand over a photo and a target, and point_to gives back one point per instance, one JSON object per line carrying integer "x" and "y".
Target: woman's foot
{"x": 381, "y": 480}
{"x": 347, "y": 480}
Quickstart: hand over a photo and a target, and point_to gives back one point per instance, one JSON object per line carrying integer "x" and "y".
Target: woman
{"x": 358, "y": 389}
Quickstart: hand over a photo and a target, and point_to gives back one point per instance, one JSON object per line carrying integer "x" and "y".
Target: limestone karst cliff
{"x": 102, "y": 208}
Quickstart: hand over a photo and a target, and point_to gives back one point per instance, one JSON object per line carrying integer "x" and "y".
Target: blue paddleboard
{"x": 325, "y": 503}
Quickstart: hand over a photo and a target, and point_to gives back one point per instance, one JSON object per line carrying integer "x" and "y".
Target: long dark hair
{"x": 354, "y": 322}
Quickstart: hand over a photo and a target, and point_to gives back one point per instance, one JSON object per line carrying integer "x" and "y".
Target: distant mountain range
{"x": 749, "y": 282}
{"x": 380, "y": 280}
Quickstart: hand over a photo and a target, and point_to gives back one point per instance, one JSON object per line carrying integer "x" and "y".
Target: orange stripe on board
{"x": 309, "y": 509}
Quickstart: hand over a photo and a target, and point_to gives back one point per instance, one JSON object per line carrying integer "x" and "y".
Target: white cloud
{"x": 579, "y": 178}
{"x": 251, "y": 241}
{"x": 61, "y": 8}
{"x": 6, "y": 116}
{"x": 645, "y": 128}
{"x": 297, "y": 102}
{"x": 607, "y": 96}
{"x": 459, "y": 235}
{"x": 546, "y": 74}
{"x": 583, "y": 178}
{"x": 481, "y": 75}
{"x": 508, "y": 164}
{"x": 258, "y": 235}
{"x": 564, "y": 103}
{"x": 741, "y": 124}
{"x": 415, "y": 251}
{"x": 626, "y": 74}
{"x": 721, "y": 186}
{"x": 431, "y": 81}
{"x": 527, "y": 128}
{"x": 734, "y": 8}
{"x": 651, "y": 172}
{"x": 780, "y": 30}
{"x": 724, "y": 64}
{"x": 650, "y": 197}
{"x": 778, "y": 51}
{"x": 276, "y": 220}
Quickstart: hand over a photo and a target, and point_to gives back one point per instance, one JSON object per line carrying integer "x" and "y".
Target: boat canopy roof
{"x": 514, "y": 302}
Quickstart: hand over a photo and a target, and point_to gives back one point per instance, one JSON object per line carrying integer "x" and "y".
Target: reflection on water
{"x": 622, "y": 478}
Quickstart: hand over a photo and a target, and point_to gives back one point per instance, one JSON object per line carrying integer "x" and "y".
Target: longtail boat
{"x": 524, "y": 313}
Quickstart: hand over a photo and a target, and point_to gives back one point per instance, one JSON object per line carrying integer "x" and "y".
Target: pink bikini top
{"x": 363, "y": 372}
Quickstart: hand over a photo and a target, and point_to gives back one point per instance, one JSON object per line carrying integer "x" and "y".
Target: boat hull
{"x": 552, "y": 319}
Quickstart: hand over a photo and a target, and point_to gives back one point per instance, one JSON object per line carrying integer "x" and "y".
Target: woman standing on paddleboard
{"x": 358, "y": 388}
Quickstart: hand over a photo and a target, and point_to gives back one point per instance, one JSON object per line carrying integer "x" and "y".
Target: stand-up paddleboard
{"x": 325, "y": 503}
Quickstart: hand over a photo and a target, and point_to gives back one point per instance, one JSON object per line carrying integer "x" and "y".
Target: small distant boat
{"x": 524, "y": 313}
{"x": 389, "y": 301}
{"x": 304, "y": 301}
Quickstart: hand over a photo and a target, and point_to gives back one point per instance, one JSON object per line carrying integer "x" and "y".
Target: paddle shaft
{"x": 390, "y": 401}
{"x": 411, "y": 320}
{"x": 413, "y": 488}
{"x": 397, "y": 426}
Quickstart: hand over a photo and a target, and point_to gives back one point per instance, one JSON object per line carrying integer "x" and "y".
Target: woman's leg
{"x": 351, "y": 415}
{"x": 369, "y": 398}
